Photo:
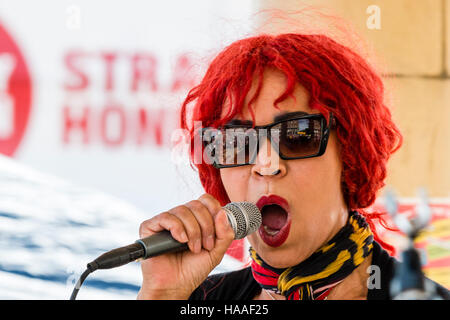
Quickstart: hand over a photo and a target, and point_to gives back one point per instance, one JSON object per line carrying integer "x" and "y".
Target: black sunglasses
{"x": 298, "y": 137}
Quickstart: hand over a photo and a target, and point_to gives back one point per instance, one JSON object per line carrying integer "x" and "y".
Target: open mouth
{"x": 275, "y": 220}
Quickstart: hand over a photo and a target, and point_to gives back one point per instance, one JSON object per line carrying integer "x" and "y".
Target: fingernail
{"x": 227, "y": 222}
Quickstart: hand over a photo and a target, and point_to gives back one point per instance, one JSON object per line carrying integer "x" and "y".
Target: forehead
{"x": 274, "y": 84}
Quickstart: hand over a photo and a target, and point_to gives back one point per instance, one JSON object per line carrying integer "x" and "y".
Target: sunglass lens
{"x": 239, "y": 146}
{"x": 300, "y": 137}
{"x": 231, "y": 146}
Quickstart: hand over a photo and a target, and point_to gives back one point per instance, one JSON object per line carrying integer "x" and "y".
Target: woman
{"x": 330, "y": 136}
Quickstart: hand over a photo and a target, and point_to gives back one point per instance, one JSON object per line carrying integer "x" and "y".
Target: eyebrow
{"x": 280, "y": 117}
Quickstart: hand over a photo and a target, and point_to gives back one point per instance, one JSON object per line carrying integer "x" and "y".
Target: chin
{"x": 279, "y": 257}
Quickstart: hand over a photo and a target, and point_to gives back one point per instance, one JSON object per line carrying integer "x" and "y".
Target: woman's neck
{"x": 353, "y": 287}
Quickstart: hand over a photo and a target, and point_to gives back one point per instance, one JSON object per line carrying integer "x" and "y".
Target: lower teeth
{"x": 270, "y": 232}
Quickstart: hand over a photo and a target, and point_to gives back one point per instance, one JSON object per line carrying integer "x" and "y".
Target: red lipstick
{"x": 276, "y": 224}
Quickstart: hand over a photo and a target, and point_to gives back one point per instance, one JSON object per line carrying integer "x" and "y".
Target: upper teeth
{"x": 270, "y": 231}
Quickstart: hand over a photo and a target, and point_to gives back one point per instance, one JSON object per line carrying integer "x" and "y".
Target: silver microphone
{"x": 244, "y": 217}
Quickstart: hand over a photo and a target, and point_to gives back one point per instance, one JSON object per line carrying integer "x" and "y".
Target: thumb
{"x": 224, "y": 235}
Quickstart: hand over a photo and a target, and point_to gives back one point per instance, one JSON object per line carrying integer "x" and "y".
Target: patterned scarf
{"x": 313, "y": 278}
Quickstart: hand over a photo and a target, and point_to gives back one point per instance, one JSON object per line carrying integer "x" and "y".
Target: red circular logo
{"x": 15, "y": 94}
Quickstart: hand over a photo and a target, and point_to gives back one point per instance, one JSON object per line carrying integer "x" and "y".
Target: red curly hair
{"x": 338, "y": 80}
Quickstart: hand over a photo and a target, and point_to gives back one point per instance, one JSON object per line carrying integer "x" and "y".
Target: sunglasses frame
{"x": 326, "y": 129}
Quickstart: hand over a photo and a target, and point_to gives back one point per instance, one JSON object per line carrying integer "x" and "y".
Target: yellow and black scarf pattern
{"x": 327, "y": 266}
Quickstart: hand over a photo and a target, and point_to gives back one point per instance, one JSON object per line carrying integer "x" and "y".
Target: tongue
{"x": 274, "y": 217}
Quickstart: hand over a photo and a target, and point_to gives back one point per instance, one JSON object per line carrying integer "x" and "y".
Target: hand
{"x": 203, "y": 224}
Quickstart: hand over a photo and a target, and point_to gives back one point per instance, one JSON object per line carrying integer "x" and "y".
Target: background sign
{"x": 108, "y": 80}
{"x": 15, "y": 94}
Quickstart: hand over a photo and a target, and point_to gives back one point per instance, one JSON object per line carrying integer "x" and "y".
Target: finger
{"x": 164, "y": 221}
{"x": 206, "y": 222}
{"x": 211, "y": 203}
{"x": 191, "y": 226}
{"x": 224, "y": 235}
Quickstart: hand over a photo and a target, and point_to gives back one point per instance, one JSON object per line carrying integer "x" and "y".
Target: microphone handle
{"x": 151, "y": 246}
{"x": 161, "y": 242}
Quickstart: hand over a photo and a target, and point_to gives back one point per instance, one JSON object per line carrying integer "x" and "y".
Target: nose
{"x": 268, "y": 162}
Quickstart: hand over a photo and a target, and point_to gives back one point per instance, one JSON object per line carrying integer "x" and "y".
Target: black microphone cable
{"x": 79, "y": 283}
{"x": 111, "y": 259}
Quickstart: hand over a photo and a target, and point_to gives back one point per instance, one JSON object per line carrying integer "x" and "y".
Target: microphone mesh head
{"x": 245, "y": 218}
